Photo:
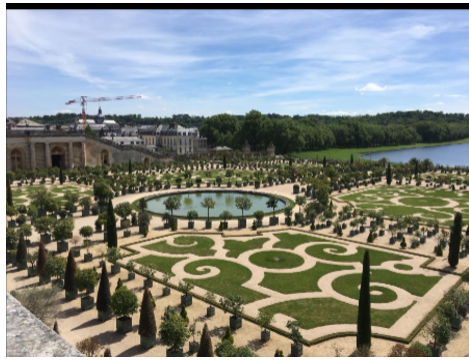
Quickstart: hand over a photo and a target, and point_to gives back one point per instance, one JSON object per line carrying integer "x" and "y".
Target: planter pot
{"x": 186, "y": 300}
{"x": 174, "y": 353}
{"x": 125, "y": 223}
{"x": 208, "y": 184}
{"x": 410, "y": 230}
{"x": 130, "y": 276}
{"x": 193, "y": 347}
{"x": 104, "y": 315}
{"x": 87, "y": 303}
{"x": 45, "y": 238}
{"x": 71, "y": 295}
{"x": 372, "y": 224}
{"x": 399, "y": 235}
{"x": 166, "y": 291}
{"x": 462, "y": 254}
{"x": 265, "y": 336}
{"x": 11, "y": 224}
{"x": 127, "y": 234}
{"x": 28, "y": 242}
{"x": 414, "y": 245}
{"x": 198, "y": 185}
{"x": 115, "y": 269}
{"x": 102, "y": 263}
{"x": 21, "y": 265}
{"x": 166, "y": 225}
{"x": 32, "y": 272}
{"x": 257, "y": 185}
{"x": 236, "y": 322}
{"x": 225, "y": 225}
{"x": 148, "y": 283}
{"x": 210, "y": 311}
{"x": 259, "y": 223}
{"x": 88, "y": 257}
{"x": 190, "y": 225}
{"x": 141, "y": 189}
{"x": 241, "y": 223}
{"x": 124, "y": 325}
{"x": 124, "y": 192}
{"x": 44, "y": 280}
{"x": 228, "y": 184}
{"x": 58, "y": 283}
{"x": 436, "y": 351}
{"x": 147, "y": 342}
{"x": 328, "y": 223}
{"x": 179, "y": 186}
{"x": 429, "y": 233}
{"x": 98, "y": 228}
{"x": 76, "y": 252}
{"x": 462, "y": 311}
{"x": 62, "y": 247}
{"x": 423, "y": 239}
{"x": 392, "y": 240}
{"x": 296, "y": 350}
{"x": 362, "y": 229}
{"x": 456, "y": 322}
{"x": 344, "y": 226}
{"x": 208, "y": 224}
{"x": 105, "y": 237}
{"x": 381, "y": 232}
{"x": 273, "y": 221}
{"x": 53, "y": 216}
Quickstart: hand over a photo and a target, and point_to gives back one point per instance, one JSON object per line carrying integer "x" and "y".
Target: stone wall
{"x": 27, "y": 336}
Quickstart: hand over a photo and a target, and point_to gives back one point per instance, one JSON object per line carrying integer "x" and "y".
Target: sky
{"x": 206, "y": 62}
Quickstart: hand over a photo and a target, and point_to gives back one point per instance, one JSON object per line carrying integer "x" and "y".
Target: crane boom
{"x": 84, "y": 99}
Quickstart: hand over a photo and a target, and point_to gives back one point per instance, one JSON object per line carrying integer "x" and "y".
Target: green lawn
{"x": 424, "y": 202}
{"x": 291, "y": 241}
{"x": 316, "y": 312}
{"x": 228, "y": 281}
{"x": 162, "y": 264}
{"x": 237, "y": 247}
{"x": 344, "y": 153}
{"x": 376, "y": 257}
{"x": 276, "y": 260}
{"x": 199, "y": 246}
{"x": 300, "y": 282}
{"x": 403, "y": 267}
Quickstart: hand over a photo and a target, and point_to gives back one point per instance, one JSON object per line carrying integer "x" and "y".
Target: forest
{"x": 309, "y": 132}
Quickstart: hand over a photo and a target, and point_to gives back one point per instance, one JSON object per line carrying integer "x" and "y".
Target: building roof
{"x": 28, "y": 123}
{"x": 222, "y": 148}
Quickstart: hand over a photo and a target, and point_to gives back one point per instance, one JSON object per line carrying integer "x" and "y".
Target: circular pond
{"x": 224, "y": 201}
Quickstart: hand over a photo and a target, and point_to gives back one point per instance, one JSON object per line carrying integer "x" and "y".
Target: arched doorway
{"x": 57, "y": 155}
{"x": 16, "y": 159}
{"x": 104, "y": 157}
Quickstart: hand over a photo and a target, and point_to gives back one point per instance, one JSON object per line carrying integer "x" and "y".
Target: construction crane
{"x": 84, "y": 99}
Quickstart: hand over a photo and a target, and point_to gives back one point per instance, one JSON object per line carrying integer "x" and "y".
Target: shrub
{"x": 226, "y": 349}
{"x": 55, "y": 266}
{"x": 147, "y": 325}
{"x": 107, "y": 352}
{"x": 228, "y": 336}
{"x": 205, "y": 349}
{"x": 425, "y": 350}
{"x": 403, "y": 243}
{"x": 89, "y": 347}
{"x": 439, "y": 251}
{"x": 124, "y": 302}
{"x": 56, "y": 328}
{"x": 173, "y": 332}
{"x": 86, "y": 279}
{"x": 71, "y": 269}
{"x": 398, "y": 350}
{"x": 103, "y": 302}
{"x": 21, "y": 250}
{"x": 183, "y": 314}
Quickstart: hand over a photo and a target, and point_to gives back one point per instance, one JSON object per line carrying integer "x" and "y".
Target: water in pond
{"x": 447, "y": 155}
{"x": 224, "y": 201}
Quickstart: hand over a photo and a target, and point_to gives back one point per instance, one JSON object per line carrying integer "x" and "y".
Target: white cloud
{"x": 440, "y": 103}
{"x": 436, "y": 95}
{"x": 65, "y": 111}
{"x": 455, "y": 96}
{"x": 144, "y": 96}
{"x": 420, "y": 31}
{"x": 228, "y": 112}
{"x": 340, "y": 112}
{"x": 159, "y": 97}
{"x": 371, "y": 87}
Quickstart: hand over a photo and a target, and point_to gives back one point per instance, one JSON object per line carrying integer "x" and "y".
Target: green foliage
{"x": 183, "y": 314}
{"x": 208, "y": 203}
{"x": 243, "y": 203}
{"x": 9, "y": 195}
{"x": 55, "y": 266}
{"x": 172, "y": 203}
{"x": 120, "y": 284}
{"x": 113, "y": 255}
{"x": 226, "y": 349}
{"x": 233, "y": 302}
{"x": 123, "y": 210}
{"x": 439, "y": 330}
{"x": 455, "y": 240}
{"x": 173, "y": 332}
{"x": 103, "y": 302}
{"x": 228, "y": 336}
{"x": 11, "y": 239}
{"x": 41, "y": 260}
{"x": 70, "y": 271}
{"x": 264, "y": 319}
{"x": 147, "y": 324}
{"x": 86, "y": 232}
{"x": 364, "y": 307}
{"x": 62, "y": 229}
{"x": 124, "y": 302}
{"x": 86, "y": 279}
{"x": 21, "y": 250}
{"x": 295, "y": 334}
{"x": 422, "y": 348}
{"x": 205, "y": 348}
{"x": 185, "y": 287}
{"x": 370, "y": 238}
{"x": 111, "y": 226}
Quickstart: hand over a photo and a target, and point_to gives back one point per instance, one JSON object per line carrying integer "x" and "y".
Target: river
{"x": 447, "y": 155}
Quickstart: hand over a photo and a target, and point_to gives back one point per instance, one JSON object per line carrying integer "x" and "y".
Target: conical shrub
{"x": 41, "y": 260}
{"x": 104, "y": 293}
{"x": 70, "y": 271}
{"x": 21, "y": 250}
{"x": 205, "y": 348}
{"x": 147, "y": 325}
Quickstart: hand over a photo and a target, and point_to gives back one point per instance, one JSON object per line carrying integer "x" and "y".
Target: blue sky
{"x": 209, "y": 62}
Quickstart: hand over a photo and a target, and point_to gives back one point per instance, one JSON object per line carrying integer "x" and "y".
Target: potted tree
{"x": 85, "y": 204}
{"x": 225, "y": 215}
{"x": 244, "y": 204}
{"x": 11, "y": 212}
{"x": 11, "y": 244}
{"x": 191, "y": 215}
{"x": 75, "y": 249}
{"x": 235, "y": 303}
{"x": 165, "y": 280}
{"x": 439, "y": 330}
{"x": 86, "y": 232}
{"x": 147, "y": 324}
{"x": 44, "y": 225}
{"x": 124, "y": 303}
{"x": 272, "y": 203}
{"x": 148, "y": 272}
{"x": 264, "y": 319}
{"x": 143, "y": 223}
{"x": 69, "y": 281}
{"x": 55, "y": 267}
{"x": 131, "y": 268}
{"x": 194, "y": 345}
{"x": 208, "y": 203}
{"x": 41, "y": 265}
{"x": 21, "y": 253}
{"x": 88, "y": 257}
{"x": 295, "y": 336}
{"x": 86, "y": 280}
{"x": 32, "y": 259}
{"x": 113, "y": 255}
{"x": 61, "y": 231}
{"x": 174, "y": 333}
{"x": 218, "y": 180}
{"x": 27, "y": 232}
{"x": 210, "y": 297}
{"x": 124, "y": 210}
{"x": 103, "y": 302}
{"x": 259, "y": 215}
{"x": 185, "y": 287}
{"x": 172, "y": 203}
{"x": 288, "y": 211}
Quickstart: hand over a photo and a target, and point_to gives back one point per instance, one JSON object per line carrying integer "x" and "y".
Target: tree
{"x": 9, "y": 195}
{"x": 295, "y": 334}
{"x": 44, "y": 225}
{"x": 41, "y": 260}
{"x": 226, "y": 349}
{"x": 324, "y": 162}
{"x": 272, "y": 203}
{"x": 55, "y": 266}
{"x": 111, "y": 226}
{"x": 86, "y": 232}
{"x": 11, "y": 211}
{"x": 103, "y": 302}
{"x": 364, "y": 307}
{"x": 173, "y": 332}
{"x": 455, "y": 240}
{"x": 123, "y": 210}
{"x": 130, "y": 167}
{"x": 70, "y": 271}
{"x": 147, "y": 325}
{"x": 142, "y": 204}
{"x": 183, "y": 314}
{"x": 86, "y": 279}
{"x": 21, "y": 251}
{"x": 351, "y": 158}
{"x": 63, "y": 228}
{"x": 61, "y": 174}
{"x": 228, "y": 336}
{"x": 243, "y": 203}
{"x": 224, "y": 161}
{"x": 11, "y": 239}
{"x": 235, "y": 302}
{"x": 172, "y": 203}
{"x": 439, "y": 329}
{"x": 32, "y": 258}
{"x": 124, "y": 302}
{"x": 107, "y": 352}
{"x": 113, "y": 255}
{"x": 264, "y": 319}
{"x": 389, "y": 175}
{"x": 300, "y": 201}
{"x": 205, "y": 348}
{"x": 208, "y": 203}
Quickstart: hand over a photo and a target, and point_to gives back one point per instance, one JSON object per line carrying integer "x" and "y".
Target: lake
{"x": 448, "y": 155}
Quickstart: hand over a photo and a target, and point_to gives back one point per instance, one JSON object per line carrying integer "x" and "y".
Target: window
{"x": 16, "y": 160}
{"x": 180, "y": 149}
